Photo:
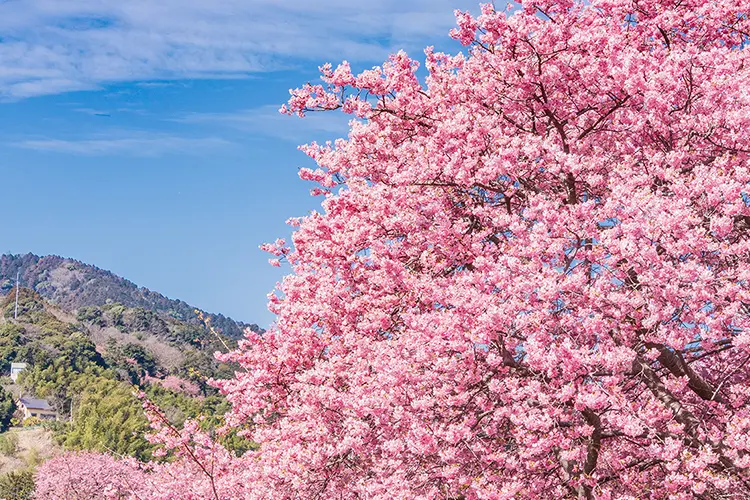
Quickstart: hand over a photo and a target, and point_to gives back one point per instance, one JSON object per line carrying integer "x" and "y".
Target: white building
{"x": 15, "y": 369}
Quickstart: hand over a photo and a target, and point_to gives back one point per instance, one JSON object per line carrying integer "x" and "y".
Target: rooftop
{"x": 36, "y": 404}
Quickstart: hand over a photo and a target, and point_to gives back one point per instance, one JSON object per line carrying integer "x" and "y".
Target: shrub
{"x": 32, "y": 422}
{"x": 9, "y": 444}
{"x": 17, "y": 485}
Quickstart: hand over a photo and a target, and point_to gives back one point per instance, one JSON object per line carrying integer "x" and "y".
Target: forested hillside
{"x": 72, "y": 284}
{"x": 90, "y": 365}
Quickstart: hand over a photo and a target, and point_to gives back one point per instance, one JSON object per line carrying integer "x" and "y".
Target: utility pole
{"x": 18, "y": 277}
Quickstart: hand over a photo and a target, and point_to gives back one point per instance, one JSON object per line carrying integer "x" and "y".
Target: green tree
{"x": 107, "y": 417}
{"x": 11, "y": 338}
{"x": 7, "y": 407}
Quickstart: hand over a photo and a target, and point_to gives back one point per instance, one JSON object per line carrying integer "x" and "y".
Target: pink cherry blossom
{"x": 174, "y": 383}
{"x": 530, "y": 277}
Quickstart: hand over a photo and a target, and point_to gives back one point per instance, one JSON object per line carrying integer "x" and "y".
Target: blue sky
{"x": 143, "y": 136}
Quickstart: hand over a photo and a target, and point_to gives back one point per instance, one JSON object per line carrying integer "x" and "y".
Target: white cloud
{"x": 155, "y": 84}
{"x": 52, "y": 46}
{"x": 126, "y": 145}
{"x": 109, "y": 112}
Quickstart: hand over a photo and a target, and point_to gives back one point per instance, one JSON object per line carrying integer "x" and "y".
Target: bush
{"x": 9, "y": 444}
{"x": 33, "y": 457}
{"x": 32, "y": 422}
{"x": 17, "y": 485}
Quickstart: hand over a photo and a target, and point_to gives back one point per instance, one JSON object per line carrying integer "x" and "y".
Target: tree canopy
{"x": 530, "y": 278}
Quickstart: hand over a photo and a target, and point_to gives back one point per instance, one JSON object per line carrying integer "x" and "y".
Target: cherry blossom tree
{"x": 87, "y": 476}
{"x": 530, "y": 278}
{"x": 174, "y": 383}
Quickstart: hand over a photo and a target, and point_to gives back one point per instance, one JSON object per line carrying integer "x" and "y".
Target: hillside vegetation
{"x": 92, "y": 364}
{"x": 71, "y": 285}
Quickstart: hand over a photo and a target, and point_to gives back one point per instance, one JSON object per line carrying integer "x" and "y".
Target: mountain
{"x": 72, "y": 285}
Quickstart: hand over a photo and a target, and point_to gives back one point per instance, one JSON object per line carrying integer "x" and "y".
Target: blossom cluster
{"x": 533, "y": 280}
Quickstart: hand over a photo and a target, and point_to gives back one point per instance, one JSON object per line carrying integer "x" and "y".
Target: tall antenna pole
{"x": 18, "y": 277}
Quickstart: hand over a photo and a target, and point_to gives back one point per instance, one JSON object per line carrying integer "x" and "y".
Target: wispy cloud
{"x": 109, "y": 112}
{"x": 267, "y": 121}
{"x": 51, "y": 46}
{"x": 147, "y": 85}
{"x": 126, "y": 145}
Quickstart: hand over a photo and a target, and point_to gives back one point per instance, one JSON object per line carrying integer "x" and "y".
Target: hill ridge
{"x": 71, "y": 284}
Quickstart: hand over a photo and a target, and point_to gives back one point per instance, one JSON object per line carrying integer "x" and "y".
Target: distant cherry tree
{"x": 87, "y": 476}
{"x": 530, "y": 279}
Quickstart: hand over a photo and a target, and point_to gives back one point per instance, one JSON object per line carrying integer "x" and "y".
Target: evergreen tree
{"x": 7, "y": 407}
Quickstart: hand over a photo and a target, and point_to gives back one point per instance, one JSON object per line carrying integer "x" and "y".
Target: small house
{"x": 39, "y": 408}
